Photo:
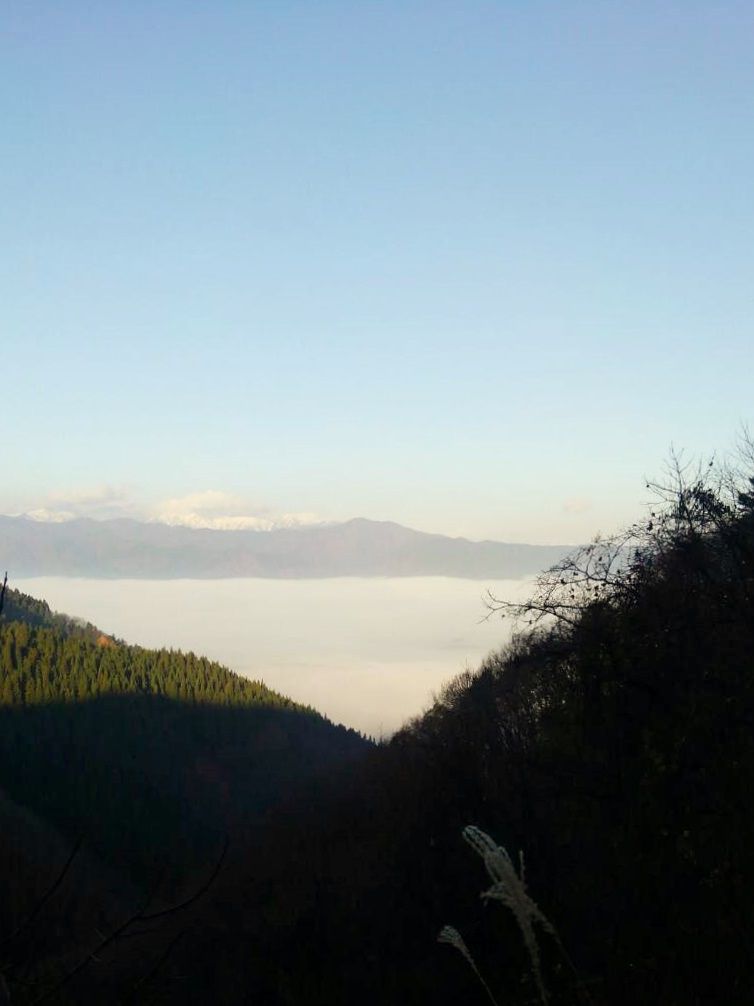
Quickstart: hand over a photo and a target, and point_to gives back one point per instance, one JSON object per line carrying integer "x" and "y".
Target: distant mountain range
{"x": 359, "y": 547}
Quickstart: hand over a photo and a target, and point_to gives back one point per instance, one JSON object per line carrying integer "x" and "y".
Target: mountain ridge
{"x": 128, "y": 548}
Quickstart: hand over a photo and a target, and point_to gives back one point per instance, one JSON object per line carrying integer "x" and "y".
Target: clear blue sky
{"x": 468, "y": 266}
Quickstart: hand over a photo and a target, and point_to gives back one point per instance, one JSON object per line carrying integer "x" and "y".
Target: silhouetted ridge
{"x": 612, "y": 742}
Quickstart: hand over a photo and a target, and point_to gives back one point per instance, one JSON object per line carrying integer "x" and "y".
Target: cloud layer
{"x": 209, "y": 508}
{"x": 577, "y": 504}
{"x": 100, "y": 503}
{"x": 225, "y": 512}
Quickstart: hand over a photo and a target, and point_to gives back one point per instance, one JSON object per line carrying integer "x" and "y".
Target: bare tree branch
{"x": 139, "y": 916}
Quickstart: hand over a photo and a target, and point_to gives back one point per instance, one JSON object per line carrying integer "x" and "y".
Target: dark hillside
{"x": 138, "y": 764}
{"x": 612, "y": 743}
{"x": 150, "y": 755}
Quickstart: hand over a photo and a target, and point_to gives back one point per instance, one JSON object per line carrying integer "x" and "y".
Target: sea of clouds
{"x": 366, "y": 652}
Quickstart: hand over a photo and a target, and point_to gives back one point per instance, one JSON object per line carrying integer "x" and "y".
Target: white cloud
{"x": 99, "y": 503}
{"x": 106, "y": 495}
{"x": 46, "y": 516}
{"x": 210, "y": 508}
{"x": 578, "y": 504}
{"x": 206, "y": 500}
{"x": 225, "y": 512}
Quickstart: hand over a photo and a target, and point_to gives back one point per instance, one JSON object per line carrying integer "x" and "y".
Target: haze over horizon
{"x": 203, "y": 511}
{"x": 425, "y": 263}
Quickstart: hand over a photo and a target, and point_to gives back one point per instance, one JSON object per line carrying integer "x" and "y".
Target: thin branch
{"x": 140, "y": 916}
{"x": 194, "y": 897}
{"x": 160, "y": 961}
{"x": 49, "y": 893}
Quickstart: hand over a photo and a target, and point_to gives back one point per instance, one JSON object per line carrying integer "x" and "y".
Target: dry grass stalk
{"x": 509, "y": 887}
{"x": 453, "y": 938}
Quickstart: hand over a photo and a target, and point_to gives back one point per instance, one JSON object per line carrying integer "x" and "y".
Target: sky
{"x": 473, "y": 267}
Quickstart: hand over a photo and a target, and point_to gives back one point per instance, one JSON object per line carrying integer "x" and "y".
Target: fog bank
{"x": 366, "y": 652}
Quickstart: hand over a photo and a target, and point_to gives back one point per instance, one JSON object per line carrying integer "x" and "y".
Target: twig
{"x": 140, "y": 916}
{"x": 49, "y": 893}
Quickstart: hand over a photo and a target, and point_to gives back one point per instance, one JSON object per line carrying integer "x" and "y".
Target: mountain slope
{"x": 20, "y": 607}
{"x": 129, "y": 548}
{"x": 613, "y": 745}
{"x": 142, "y": 751}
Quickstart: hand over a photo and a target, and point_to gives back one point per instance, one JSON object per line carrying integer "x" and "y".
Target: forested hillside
{"x": 20, "y": 607}
{"x": 49, "y": 657}
{"x": 150, "y": 756}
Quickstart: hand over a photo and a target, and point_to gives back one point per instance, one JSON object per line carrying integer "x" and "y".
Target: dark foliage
{"x": 611, "y": 742}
